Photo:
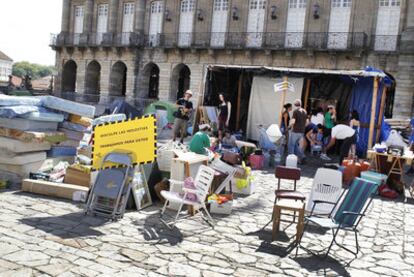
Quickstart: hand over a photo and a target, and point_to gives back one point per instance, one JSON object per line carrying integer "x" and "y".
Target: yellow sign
{"x": 136, "y": 137}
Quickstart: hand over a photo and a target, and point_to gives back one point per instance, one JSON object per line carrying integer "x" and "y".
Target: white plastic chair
{"x": 225, "y": 168}
{"x": 327, "y": 187}
{"x": 202, "y": 182}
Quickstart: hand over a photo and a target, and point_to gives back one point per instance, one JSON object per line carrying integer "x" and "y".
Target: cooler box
{"x": 374, "y": 177}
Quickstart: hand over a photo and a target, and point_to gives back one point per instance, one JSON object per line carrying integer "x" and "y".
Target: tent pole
{"x": 239, "y": 90}
{"x": 307, "y": 92}
{"x": 282, "y": 101}
{"x": 373, "y": 110}
{"x": 381, "y": 111}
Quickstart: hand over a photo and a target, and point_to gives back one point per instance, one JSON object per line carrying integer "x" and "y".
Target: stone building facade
{"x": 6, "y": 66}
{"x": 159, "y": 48}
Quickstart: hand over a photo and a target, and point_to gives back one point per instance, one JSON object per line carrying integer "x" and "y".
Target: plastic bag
{"x": 395, "y": 139}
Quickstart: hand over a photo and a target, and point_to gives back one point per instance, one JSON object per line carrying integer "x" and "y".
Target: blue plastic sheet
{"x": 361, "y": 101}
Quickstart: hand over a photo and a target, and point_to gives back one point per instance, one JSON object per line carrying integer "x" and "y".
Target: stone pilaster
{"x": 404, "y": 94}
{"x": 113, "y": 15}
{"x": 140, "y": 16}
{"x": 65, "y": 16}
{"x": 87, "y": 21}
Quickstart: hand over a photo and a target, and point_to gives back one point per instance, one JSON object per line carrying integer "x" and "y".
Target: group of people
{"x": 201, "y": 140}
{"x": 318, "y": 130}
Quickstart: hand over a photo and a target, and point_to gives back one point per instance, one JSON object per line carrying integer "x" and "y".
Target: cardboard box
{"x": 77, "y": 177}
{"x": 58, "y": 190}
{"x": 224, "y": 208}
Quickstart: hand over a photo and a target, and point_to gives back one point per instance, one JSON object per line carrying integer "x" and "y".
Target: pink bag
{"x": 256, "y": 161}
{"x": 189, "y": 184}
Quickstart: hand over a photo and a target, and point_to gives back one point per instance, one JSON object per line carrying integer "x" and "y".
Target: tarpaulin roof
{"x": 368, "y": 72}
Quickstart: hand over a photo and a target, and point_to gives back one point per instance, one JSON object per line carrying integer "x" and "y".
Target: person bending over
{"x": 344, "y": 133}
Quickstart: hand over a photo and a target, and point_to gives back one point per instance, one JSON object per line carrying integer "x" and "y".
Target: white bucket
{"x": 292, "y": 161}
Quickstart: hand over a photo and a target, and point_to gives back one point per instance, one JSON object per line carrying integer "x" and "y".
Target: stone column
{"x": 404, "y": 94}
{"x": 113, "y": 15}
{"x": 88, "y": 16}
{"x": 140, "y": 16}
{"x": 65, "y": 16}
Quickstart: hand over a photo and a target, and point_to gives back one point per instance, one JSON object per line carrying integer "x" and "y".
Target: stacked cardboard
{"x": 33, "y": 129}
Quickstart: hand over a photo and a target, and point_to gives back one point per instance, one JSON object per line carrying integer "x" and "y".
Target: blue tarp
{"x": 361, "y": 101}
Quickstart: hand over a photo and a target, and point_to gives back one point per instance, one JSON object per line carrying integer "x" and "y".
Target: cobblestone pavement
{"x": 45, "y": 237}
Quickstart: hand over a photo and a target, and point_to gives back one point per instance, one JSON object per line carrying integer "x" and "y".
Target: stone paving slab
{"x": 41, "y": 236}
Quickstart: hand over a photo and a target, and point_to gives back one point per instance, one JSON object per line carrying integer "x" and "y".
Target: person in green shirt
{"x": 330, "y": 117}
{"x": 200, "y": 140}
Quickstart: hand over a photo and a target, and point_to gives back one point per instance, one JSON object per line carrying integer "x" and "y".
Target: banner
{"x": 136, "y": 137}
{"x": 284, "y": 86}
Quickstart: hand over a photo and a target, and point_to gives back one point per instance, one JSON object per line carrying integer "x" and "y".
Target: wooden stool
{"x": 288, "y": 205}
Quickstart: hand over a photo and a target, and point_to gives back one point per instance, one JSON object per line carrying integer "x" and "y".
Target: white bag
{"x": 395, "y": 139}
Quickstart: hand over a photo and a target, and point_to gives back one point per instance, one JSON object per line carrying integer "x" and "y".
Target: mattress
{"x": 38, "y": 137}
{"x": 6, "y": 100}
{"x": 84, "y": 121}
{"x": 61, "y": 151}
{"x": 74, "y": 127}
{"x": 16, "y": 111}
{"x": 27, "y": 125}
{"x": 70, "y": 143}
{"x": 73, "y": 135}
{"x": 17, "y": 146}
{"x": 22, "y": 170}
{"x": 22, "y": 159}
{"x": 60, "y": 104}
{"x": 44, "y": 116}
{"x": 108, "y": 119}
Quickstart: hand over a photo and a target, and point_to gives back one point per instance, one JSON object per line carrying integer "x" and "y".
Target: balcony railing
{"x": 383, "y": 43}
{"x": 95, "y": 40}
{"x": 232, "y": 40}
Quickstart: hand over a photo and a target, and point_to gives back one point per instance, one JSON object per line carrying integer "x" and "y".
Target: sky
{"x": 25, "y": 28}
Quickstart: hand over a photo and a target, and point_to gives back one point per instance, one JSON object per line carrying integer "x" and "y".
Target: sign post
{"x": 283, "y": 87}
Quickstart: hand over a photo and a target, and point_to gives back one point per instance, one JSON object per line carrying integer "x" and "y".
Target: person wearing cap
{"x": 182, "y": 115}
{"x": 298, "y": 126}
{"x": 200, "y": 140}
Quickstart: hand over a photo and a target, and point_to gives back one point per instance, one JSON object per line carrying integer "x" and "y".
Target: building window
{"x": 221, "y": 5}
{"x": 294, "y": 4}
{"x": 187, "y": 6}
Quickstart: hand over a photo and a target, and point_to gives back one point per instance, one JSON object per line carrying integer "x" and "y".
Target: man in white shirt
{"x": 348, "y": 137}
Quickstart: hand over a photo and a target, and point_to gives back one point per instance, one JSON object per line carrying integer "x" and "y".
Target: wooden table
{"x": 397, "y": 162}
{"x": 293, "y": 206}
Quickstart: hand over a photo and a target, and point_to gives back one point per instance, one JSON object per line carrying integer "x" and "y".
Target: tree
{"x": 35, "y": 71}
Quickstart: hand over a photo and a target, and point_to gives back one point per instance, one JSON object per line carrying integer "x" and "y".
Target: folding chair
{"x": 327, "y": 186}
{"x": 351, "y": 209}
{"x": 225, "y": 168}
{"x": 202, "y": 182}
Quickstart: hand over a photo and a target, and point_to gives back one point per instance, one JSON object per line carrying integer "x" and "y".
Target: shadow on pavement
{"x": 66, "y": 226}
{"x": 316, "y": 265}
{"x": 155, "y": 231}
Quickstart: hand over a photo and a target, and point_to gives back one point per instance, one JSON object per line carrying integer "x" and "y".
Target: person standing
{"x": 330, "y": 116}
{"x": 286, "y": 118}
{"x": 317, "y": 116}
{"x": 223, "y": 115}
{"x": 182, "y": 115}
{"x": 348, "y": 137}
{"x": 298, "y": 125}
{"x": 355, "y": 124}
